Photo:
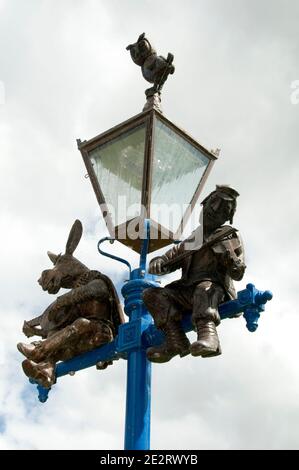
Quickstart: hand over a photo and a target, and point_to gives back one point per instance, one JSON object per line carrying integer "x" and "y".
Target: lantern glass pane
{"x": 118, "y": 166}
{"x": 178, "y": 167}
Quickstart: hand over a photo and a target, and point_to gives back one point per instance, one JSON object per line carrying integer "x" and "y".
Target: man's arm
{"x": 156, "y": 264}
{"x": 179, "y": 251}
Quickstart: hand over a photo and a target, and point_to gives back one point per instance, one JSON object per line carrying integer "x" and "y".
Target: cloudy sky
{"x": 65, "y": 74}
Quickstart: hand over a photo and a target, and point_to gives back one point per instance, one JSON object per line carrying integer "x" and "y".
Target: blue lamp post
{"x": 134, "y": 168}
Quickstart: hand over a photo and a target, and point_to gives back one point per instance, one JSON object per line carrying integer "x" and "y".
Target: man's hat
{"x": 225, "y": 192}
{"x": 228, "y": 194}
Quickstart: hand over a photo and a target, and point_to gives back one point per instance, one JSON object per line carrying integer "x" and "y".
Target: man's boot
{"x": 176, "y": 342}
{"x": 207, "y": 344}
{"x": 43, "y": 373}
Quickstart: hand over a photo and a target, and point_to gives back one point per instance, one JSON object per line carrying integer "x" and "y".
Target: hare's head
{"x": 141, "y": 50}
{"x": 67, "y": 269}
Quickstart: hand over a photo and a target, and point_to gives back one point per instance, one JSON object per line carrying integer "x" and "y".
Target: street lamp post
{"x": 135, "y": 167}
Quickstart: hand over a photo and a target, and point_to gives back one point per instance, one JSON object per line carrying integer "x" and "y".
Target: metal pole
{"x": 138, "y": 401}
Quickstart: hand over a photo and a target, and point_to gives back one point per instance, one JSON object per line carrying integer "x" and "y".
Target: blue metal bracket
{"x": 251, "y": 301}
{"x": 129, "y": 335}
{"x": 42, "y": 392}
{"x": 109, "y": 255}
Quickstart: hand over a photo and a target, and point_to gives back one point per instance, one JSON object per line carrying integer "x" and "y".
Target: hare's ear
{"x": 53, "y": 257}
{"x": 74, "y": 237}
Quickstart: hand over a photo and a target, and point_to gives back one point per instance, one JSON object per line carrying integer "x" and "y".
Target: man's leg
{"x": 167, "y": 317}
{"x": 205, "y": 317}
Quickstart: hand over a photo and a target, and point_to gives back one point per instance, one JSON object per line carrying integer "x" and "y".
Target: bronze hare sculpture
{"x": 84, "y": 318}
{"x": 155, "y": 68}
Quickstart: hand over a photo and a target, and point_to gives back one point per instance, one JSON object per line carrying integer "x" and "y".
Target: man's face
{"x": 216, "y": 211}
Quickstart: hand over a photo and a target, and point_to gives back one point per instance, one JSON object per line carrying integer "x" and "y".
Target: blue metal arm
{"x": 250, "y": 301}
{"x": 140, "y": 333}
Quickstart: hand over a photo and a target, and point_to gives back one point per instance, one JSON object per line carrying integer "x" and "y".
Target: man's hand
{"x": 156, "y": 266}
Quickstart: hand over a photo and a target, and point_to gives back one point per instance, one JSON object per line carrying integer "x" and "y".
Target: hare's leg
{"x": 89, "y": 335}
{"x": 82, "y": 335}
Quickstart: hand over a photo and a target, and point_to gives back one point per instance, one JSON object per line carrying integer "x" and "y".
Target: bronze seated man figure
{"x": 85, "y": 318}
{"x": 207, "y": 274}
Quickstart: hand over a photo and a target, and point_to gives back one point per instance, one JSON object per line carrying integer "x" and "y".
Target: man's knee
{"x": 206, "y": 299}
{"x": 161, "y": 306}
{"x": 151, "y": 295}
